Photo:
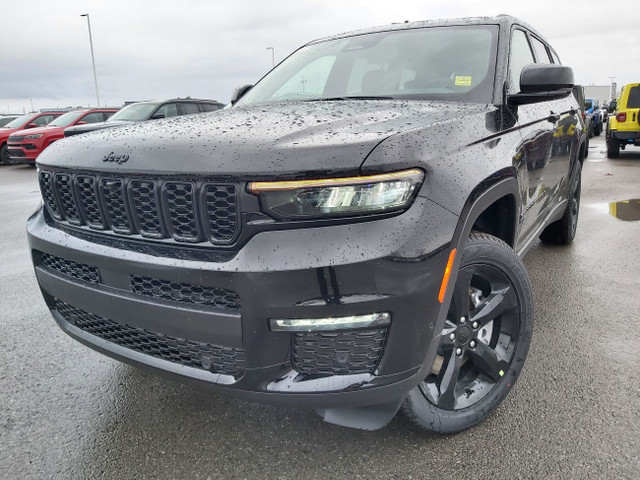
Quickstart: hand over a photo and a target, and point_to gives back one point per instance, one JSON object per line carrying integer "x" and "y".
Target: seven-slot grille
{"x": 187, "y": 211}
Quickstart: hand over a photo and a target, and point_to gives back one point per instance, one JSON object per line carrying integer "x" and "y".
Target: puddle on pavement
{"x": 628, "y": 210}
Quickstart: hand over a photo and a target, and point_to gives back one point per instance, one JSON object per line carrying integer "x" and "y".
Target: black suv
{"x": 347, "y": 237}
{"x": 141, "y": 111}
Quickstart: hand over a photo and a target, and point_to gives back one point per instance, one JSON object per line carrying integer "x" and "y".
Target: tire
{"x": 591, "y": 130}
{"x": 613, "y": 148}
{"x": 564, "y": 230}
{"x": 4, "y": 155}
{"x": 597, "y": 130}
{"x": 493, "y": 295}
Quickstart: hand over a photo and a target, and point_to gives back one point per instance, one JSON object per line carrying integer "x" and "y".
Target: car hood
{"x": 32, "y": 131}
{"x": 275, "y": 139}
{"x": 5, "y": 132}
{"x": 98, "y": 125}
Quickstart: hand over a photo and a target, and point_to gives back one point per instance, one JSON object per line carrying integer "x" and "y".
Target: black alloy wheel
{"x": 484, "y": 341}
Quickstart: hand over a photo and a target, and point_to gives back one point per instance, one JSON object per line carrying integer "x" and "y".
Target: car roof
{"x": 183, "y": 100}
{"x": 501, "y": 20}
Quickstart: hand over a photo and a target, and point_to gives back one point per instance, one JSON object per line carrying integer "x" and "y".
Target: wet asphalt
{"x": 67, "y": 412}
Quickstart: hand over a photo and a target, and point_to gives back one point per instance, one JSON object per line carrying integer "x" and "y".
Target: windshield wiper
{"x": 353, "y": 97}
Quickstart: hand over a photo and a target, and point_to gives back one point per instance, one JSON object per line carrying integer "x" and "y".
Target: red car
{"x": 31, "y": 120}
{"x": 24, "y": 146}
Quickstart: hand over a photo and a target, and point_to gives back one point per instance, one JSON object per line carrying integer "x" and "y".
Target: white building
{"x": 602, "y": 93}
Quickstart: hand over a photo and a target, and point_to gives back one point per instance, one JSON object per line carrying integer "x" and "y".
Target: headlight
{"x": 33, "y": 136}
{"x": 331, "y": 197}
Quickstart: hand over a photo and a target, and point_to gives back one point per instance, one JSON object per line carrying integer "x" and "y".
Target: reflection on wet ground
{"x": 628, "y": 210}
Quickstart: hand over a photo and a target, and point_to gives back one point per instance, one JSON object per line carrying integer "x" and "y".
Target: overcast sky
{"x": 156, "y": 49}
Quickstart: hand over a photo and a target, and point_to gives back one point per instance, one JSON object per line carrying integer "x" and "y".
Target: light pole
{"x": 93, "y": 60}
{"x": 273, "y": 56}
{"x": 613, "y": 88}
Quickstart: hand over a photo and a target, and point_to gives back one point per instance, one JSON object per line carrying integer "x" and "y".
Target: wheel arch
{"x": 497, "y": 192}
{"x": 492, "y": 207}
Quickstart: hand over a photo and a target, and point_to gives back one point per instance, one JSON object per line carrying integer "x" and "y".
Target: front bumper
{"x": 22, "y": 152}
{"x": 148, "y": 310}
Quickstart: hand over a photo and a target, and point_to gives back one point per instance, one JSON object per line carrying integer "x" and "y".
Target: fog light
{"x": 330, "y": 323}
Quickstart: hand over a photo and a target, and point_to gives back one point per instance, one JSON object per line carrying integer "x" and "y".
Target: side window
{"x": 188, "y": 108}
{"x": 168, "y": 110}
{"x": 106, "y": 115}
{"x": 634, "y": 98}
{"x": 520, "y": 56}
{"x": 92, "y": 117}
{"x": 554, "y": 55}
{"x": 541, "y": 51}
{"x": 42, "y": 120}
{"x": 209, "y": 107}
{"x": 309, "y": 82}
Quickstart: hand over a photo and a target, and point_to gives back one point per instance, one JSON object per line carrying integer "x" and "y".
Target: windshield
{"x": 5, "y": 120}
{"x": 66, "y": 119}
{"x": 436, "y": 63}
{"x": 135, "y": 112}
{"x": 18, "y": 122}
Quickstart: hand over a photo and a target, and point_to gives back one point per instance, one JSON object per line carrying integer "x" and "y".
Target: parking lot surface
{"x": 68, "y": 412}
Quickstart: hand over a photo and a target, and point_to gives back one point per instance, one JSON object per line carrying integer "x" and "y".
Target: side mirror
{"x": 543, "y": 82}
{"x": 31, "y": 125}
{"x": 81, "y": 123}
{"x": 239, "y": 92}
{"x": 157, "y": 116}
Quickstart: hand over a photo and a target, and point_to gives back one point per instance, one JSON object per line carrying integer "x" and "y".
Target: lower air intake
{"x": 214, "y": 358}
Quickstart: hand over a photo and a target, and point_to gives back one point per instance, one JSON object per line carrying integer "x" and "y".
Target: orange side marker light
{"x": 447, "y": 274}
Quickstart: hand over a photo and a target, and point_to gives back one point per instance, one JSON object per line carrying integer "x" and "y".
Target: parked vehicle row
{"x": 142, "y": 111}
{"x": 22, "y": 139}
{"x": 20, "y": 124}
{"x": 24, "y": 146}
{"x": 592, "y": 107}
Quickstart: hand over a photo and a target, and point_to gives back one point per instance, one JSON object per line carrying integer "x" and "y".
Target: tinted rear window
{"x": 634, "y": 98}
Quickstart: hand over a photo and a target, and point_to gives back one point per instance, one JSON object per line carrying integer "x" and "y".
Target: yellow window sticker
{"x": 463, "y": 81}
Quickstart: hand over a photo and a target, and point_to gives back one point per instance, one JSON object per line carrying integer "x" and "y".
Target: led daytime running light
{"x": 330, "y": 323}
{"x": 258, "y": 187}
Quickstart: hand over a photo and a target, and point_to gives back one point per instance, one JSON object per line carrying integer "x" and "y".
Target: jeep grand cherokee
{"x": 347, "y": 237}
